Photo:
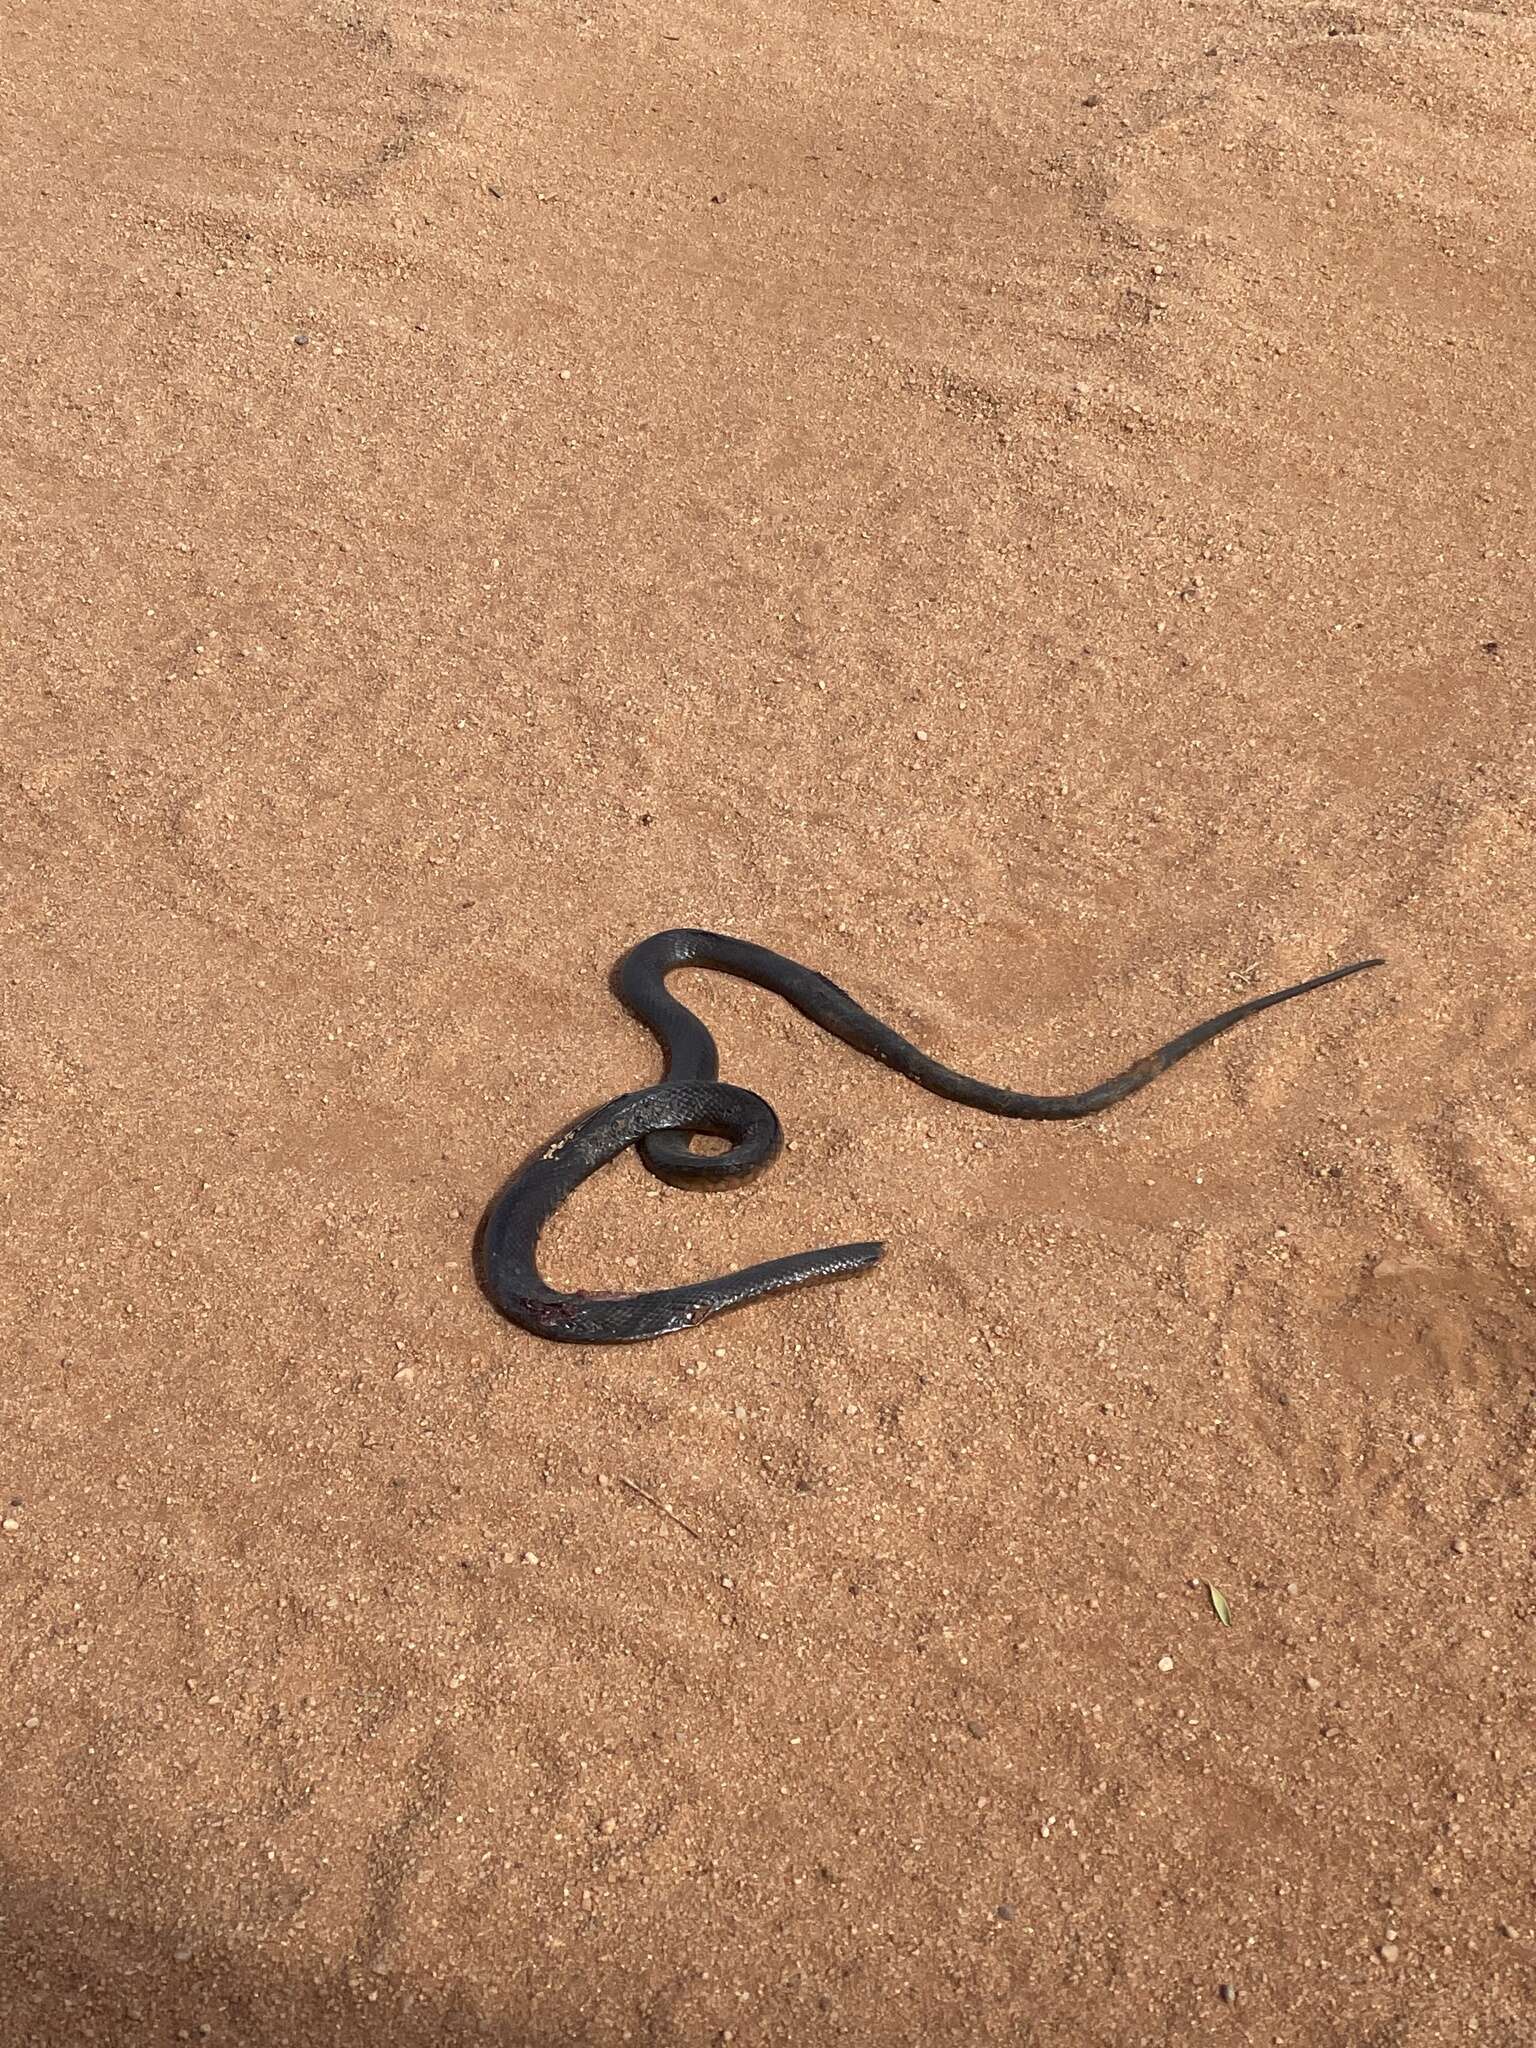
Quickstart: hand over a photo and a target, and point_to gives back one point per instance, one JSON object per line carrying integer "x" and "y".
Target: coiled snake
{"x": 692, "y": 1100}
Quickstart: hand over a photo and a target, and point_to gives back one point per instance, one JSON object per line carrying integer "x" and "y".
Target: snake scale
{"x": 691, "y": 1100}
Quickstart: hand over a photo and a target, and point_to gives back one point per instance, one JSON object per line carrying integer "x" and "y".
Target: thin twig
{"x": 662, "y": 1506}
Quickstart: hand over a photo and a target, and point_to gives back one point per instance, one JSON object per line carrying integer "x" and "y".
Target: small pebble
{"x": 1506, "y": 1930}
{"x": 1388, "y": 1951}
{"x": 1165, "y": 1663}
{"x": 1312, "y": 1684}
{"x": 1418, "y": 1439}
{"x": 1005, "y": 1912}
{"x": 530, "y": 1557}
{"x": 1460, "y": 1546}
{"x": 10, "y": 1525}
{"x": 1229, "y": 1994}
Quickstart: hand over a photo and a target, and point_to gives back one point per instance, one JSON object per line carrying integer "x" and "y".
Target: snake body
{"x": 692, "y": 1100}
{"x": 525, "y": 1205}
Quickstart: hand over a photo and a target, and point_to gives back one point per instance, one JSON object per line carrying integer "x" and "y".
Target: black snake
{"x": 692, "y": 1100}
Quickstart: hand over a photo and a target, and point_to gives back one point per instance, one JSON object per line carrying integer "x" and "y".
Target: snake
{"x": 692, "y": 1101}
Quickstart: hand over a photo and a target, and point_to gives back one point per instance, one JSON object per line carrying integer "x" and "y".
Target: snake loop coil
{"x": 692, "y": 1100}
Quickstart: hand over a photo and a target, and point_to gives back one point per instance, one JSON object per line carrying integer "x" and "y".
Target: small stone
{"x": 1228, "y": 1994}
{"x": 610, "y": 1827}
{"x": 182, "y": 1955}
{"x": 10, "y": 1525}
{"x": 301, "y": 341}
{"x": 405, "y": 1377}
{"x": 1389, "y": 1951}
{"x": 1506, "y": 1930}
{"x": 920, "y": 734}
{"x": 530, "y": 1557}
{"x": 1165, "y": 1663}
{"x": 1460, "y": 1546}
{"x": 1005, "y": 1912}
{"x": 1312, "y": 1684}
{"x": 1418, "y": 1439}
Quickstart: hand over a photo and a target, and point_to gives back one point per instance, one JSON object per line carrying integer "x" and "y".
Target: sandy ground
{"x": 1035, "y": 520}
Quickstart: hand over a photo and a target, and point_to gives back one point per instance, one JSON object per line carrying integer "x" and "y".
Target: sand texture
{"x": 1031, "y": 515}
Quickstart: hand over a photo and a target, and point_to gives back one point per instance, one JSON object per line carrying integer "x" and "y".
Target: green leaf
{"x": 1219, "y": 1602}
